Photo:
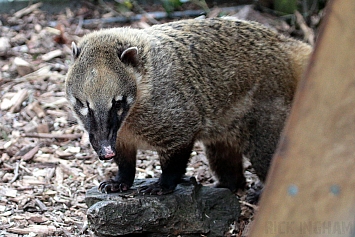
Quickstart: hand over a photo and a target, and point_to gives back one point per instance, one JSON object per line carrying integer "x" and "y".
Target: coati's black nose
{"x": 106, "y": 153}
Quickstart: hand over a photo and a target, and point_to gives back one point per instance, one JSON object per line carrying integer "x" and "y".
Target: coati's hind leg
{"x": 262, "y": 148}
{"x": 263, "y": 142}
{"x": 264, "y": 137}
{"x": 227, "y": 165}
{"x": 126, "y": 160}
{"x": 173, "y": 164}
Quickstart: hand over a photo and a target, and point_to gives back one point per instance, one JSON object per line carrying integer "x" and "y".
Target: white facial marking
{"x": 91, "y": 104}
{"x": 84, "y": 111}
{"x": 119, "y": 98}
{"x": 72, "y": 100}
{"x": 129, "y": 100}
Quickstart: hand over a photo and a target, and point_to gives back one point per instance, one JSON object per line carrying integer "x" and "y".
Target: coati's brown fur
{"x": 226, "y": 83}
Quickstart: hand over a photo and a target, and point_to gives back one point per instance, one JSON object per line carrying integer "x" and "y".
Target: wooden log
{"x": 311, "y": 187}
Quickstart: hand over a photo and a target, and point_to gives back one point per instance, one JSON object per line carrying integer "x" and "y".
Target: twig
{"x": 25, "y": 169}
{"x": 202, "y": 4}
{"x": 41, "y": 205}
{"x": 107, "y": 7}
{"x": 80, "y": 25}
{"x": 9, "y": 167}
{"x": 52, "y": 54}
{"x": 307, "y": 31}
{"x": 51, "y": 135}
{"x": 29, "y": 155}
{"x": 249, "y": 205}
{"x": 22, "y": 95}
{"x": 27, "y": 10}
{"x": 43, "y": 71}
{"x": 15, "y": 172}
{"x": 147, "y": 15}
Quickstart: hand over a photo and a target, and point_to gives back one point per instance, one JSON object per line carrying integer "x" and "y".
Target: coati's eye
{"x": 78, "y": 102}
{"x": 117, "y": 105}
{"x": 80, "y": 107}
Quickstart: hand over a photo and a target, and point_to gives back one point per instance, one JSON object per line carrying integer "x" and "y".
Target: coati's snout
{"x": 103, "y": 123}
{"x": 108, "y": 152}
{"x": 102, "y": 139}
{"x": 105, "y": 151}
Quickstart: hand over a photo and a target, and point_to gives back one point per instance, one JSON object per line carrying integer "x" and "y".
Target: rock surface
{"x": 191, "y": 210}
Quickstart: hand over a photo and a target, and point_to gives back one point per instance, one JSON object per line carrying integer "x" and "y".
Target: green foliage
{"x": 202, "y": 4}
{"x": 285, "y": 6}
{"x": 168, "y": 5}
{"x": 124, "y": 5}
{"x": 4, "y": 135}
{"x": 171, "y": 5}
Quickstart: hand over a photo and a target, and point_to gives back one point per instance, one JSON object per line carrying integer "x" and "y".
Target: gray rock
{"x": 191, "y": 210}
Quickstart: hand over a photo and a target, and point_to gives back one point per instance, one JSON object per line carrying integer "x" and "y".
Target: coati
{"x": 226, "y": 83}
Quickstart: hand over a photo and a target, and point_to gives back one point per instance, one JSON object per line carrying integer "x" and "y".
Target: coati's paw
{"x": 112, "y": 186}
{"x": 254, "y": 193}
{"x": 155, "y": 189}
{"x": 233, "y": 186}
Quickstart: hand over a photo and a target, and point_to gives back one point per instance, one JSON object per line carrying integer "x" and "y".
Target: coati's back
{"x": 227, "y": 83}
{"x": 225, "y": 67}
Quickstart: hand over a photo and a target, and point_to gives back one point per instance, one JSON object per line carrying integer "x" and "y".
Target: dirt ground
{"x": 46, "y": 162}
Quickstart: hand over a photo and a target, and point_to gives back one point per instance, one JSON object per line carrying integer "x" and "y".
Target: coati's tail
{"x": 299, "y": 54}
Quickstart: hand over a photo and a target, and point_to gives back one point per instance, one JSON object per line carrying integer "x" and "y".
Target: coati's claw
{"x": 107, "y": 187}
{"x": 112, "y": 186}
{"x": 123, "y": 187}
{"x": 155, "y": 189}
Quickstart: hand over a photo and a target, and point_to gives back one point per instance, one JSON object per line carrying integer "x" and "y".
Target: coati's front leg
{"x": 173, "y": 164}
{"x": 125, "y": 158}
{"x": 227, "y": 165}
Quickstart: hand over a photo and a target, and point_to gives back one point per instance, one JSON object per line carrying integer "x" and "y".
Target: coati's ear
{"x": 130, "y": 56}
{"x": 75, "y": 50}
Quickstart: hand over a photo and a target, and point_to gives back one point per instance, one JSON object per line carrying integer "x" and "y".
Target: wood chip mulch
{"x": 46, "y": 162}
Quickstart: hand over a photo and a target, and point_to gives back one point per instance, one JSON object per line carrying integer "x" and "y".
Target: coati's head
{"x": 101, "y": 87}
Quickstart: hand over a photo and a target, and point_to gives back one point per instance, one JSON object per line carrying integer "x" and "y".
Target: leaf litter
{"x": 46, "y": 161}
